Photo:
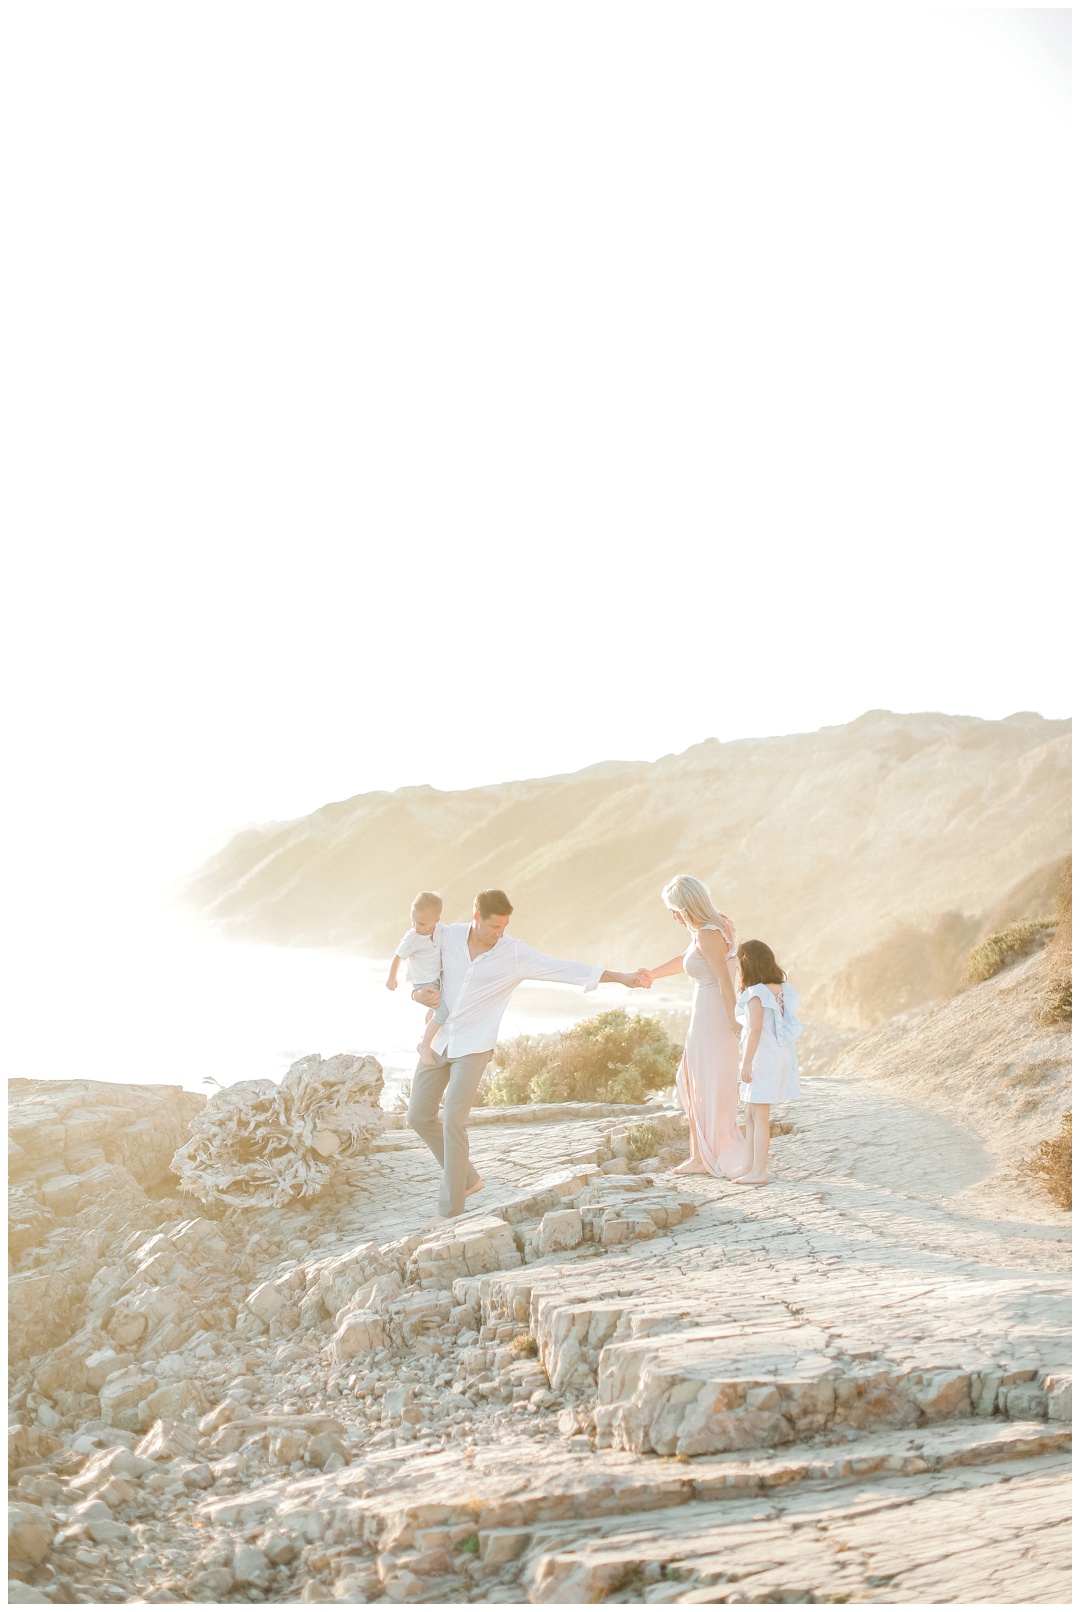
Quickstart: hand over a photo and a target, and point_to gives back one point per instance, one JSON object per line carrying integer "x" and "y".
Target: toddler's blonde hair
{"x": 427, "y": 901}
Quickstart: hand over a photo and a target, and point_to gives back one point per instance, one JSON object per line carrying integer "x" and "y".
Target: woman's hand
{"x": 633, "y": 982}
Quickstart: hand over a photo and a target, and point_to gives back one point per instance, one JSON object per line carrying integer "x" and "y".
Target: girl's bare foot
{"x": 751, "y": 1180}
{"x": 690, "y": 1167}
{"x": 427, "y": 1057}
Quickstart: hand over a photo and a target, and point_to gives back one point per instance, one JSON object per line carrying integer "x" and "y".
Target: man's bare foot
{"x": 751, "y": 1180}
{"x": 427, "y": 1057}
{"x": 479, "y": 1187}
{"x": 690, "y": 1167}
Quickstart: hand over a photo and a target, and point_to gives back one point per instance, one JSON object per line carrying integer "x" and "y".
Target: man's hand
{"x": 633, "y": 982}
{"x": 428, "y": 995}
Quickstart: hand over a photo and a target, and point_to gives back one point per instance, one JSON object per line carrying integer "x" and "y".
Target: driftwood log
{"x": 257, "y": 1144}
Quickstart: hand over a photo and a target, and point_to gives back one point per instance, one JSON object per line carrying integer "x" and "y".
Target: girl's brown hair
{"x": 758, "y": 966}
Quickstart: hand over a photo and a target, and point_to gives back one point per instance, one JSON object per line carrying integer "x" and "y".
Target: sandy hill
{"x": 985, "y": 1058}
{"x": 908, "y": 833}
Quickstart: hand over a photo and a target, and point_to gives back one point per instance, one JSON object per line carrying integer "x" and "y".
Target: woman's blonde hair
{"x": 689, "y": 896}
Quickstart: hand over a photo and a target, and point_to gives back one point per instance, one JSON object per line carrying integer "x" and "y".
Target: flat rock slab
{"x": 962, "y": 1536}
{"x": 871, "y": 1341}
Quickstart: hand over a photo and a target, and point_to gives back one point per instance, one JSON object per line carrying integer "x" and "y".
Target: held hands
{"x": 641, "y": 981}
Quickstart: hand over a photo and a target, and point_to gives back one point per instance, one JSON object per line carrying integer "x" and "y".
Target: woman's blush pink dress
{"x": 708, "y": 1077}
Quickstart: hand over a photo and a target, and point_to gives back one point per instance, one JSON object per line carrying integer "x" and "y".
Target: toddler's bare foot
{"x": 427, "y": 1057}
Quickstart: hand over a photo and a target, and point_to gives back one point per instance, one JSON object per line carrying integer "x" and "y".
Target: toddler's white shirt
{"x": 422, "y": 955}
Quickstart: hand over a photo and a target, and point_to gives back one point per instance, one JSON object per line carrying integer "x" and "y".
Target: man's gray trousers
{"x": 455, "y": 1081}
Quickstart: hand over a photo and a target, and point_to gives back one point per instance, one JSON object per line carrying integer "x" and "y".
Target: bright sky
{"x": 445, "y": 394}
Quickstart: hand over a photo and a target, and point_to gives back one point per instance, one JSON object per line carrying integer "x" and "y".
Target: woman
{"x": 708, "y": 1077}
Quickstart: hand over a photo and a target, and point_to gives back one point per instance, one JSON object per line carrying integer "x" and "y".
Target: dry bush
{"x": 616, "y": 1057}
{"x": 644, "y": 1139}
{"x": 399, "y": 1104}
{"x": 1055, "y": 1003}
{"x": 1051, "y": 1165}
{"x": 1008, "y": 946}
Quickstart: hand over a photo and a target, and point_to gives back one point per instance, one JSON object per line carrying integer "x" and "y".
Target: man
{"x": 482, "y": 966}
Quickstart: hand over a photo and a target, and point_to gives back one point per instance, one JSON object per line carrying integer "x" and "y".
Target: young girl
{"x": 766, "y": 1008}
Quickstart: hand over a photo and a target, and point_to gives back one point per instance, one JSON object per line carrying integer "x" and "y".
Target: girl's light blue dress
{"x": 774, "y": 1076}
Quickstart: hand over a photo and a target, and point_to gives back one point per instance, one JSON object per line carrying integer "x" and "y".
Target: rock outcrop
{"x": 82, "y": 1157}
{"x": 266, "y": 1144}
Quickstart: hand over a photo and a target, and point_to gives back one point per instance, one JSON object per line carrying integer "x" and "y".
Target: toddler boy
{"x": 421, "y": 951}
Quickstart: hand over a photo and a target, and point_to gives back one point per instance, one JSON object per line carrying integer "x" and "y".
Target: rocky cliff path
{"x": 607, "y": 1382}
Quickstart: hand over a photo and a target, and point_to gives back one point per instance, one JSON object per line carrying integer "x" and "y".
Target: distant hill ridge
{"x": 824, "y": 844}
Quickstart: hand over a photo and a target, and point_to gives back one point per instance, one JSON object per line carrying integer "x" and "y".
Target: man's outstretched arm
{"x": 534, "y": 965}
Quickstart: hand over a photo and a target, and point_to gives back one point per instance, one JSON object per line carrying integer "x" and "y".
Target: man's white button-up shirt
{"x": 477, "y": 989}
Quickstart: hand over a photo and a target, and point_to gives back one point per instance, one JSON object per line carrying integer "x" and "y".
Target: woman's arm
{"x": 756, "y": 1020}
{"x": 714, "y": 946}
{"x": 673, "y": 967}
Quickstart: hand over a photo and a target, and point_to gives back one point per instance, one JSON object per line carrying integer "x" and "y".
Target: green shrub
{"x": 998, "y": 951}
{"x": 644, "y": 1140}
{"x": 1051, "y": 1165}
{"x": 525, "y": 1344}
{"x": 616, "y": 1057}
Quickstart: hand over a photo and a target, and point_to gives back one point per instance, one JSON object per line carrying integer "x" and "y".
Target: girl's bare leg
{"x": 758, "y": 1116}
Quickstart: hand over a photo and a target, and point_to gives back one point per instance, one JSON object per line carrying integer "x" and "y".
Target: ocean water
{"x": 171, "y": 1002}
